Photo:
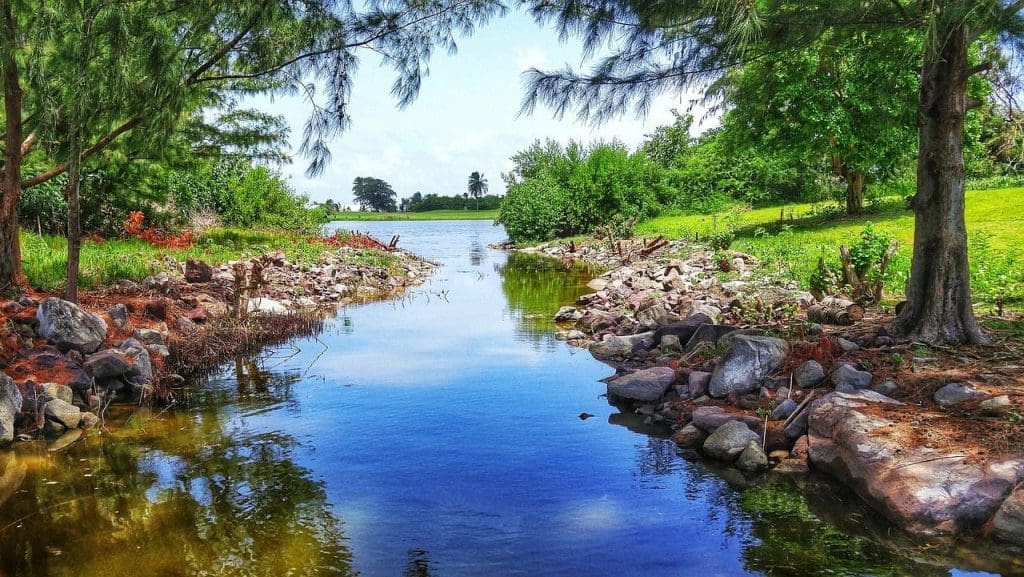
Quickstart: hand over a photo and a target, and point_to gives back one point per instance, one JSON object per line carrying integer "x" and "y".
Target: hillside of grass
{"x": 426, "y": 215}
{"x": 104, "y": 262}
{"x": 790, "y": 239}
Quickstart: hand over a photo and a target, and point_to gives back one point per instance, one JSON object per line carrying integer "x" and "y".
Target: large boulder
{"x": 69, "y": 327}
{"x": 644, "y": 385}
{"x": 109, "y": 363}
{"x": 729, "y": 440}
{"x": 615, "y": 346}
{"x": 921, "y": 488}
{"x": 64, "y": 413}
{"x": 749, "y": 360}
{"x": 142, "y": 364}
{"x": 1008, "y": 524}
{"x": 10, "y": 404}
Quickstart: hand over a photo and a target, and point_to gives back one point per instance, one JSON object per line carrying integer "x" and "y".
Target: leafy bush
{"x": 557, "y": 192}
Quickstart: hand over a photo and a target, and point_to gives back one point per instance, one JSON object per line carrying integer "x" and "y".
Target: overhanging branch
{"x": 89, "y": 152}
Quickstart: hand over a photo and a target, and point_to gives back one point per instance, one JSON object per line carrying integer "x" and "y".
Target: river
{"x": 440, "y": 434}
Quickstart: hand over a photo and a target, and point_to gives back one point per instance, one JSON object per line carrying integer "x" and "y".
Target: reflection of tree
{"x": 536, "y": 286}
{"x": 477, "y": 252}
{"x": 179, "y": 496}
{"x": 419, "y": 564}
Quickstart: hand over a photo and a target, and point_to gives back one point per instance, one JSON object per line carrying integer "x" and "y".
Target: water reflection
{"x": 535, "y": 286}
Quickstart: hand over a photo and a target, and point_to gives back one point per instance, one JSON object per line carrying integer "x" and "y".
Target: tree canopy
{"x": 374, "y": 194}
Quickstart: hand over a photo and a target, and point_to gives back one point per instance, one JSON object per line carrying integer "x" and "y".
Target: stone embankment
{"x": 730, "y": 363}
{"x": 64, "y": 364}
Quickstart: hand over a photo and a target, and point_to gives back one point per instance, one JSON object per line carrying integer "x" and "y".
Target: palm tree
{"x": 477, "y": 186}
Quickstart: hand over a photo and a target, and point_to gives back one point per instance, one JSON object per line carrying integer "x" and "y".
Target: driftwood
{"x": 835, "y": 311}
{"x": 653, "y": 245}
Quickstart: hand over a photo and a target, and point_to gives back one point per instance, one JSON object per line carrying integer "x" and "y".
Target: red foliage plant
{"x": 133, "y": 226}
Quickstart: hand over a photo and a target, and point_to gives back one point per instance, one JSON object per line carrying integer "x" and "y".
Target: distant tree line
{"x": 420, "y": 203}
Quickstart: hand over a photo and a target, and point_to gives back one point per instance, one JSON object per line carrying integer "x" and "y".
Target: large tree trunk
{"x": 10, "y": 184}
{"x": 938, "y": 308}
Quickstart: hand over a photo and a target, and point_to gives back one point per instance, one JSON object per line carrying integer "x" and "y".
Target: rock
{"x": 729, "y": 440}
{"x": 197, "y": 271}
{"x": 798, "y": 426}
{"x": 710, "y": 418}
{"x": 160, "y": 350}
{"x": 683, "y": 329}
{"x": 119, "y": 314}
{"x": 888, "y": 388}
{"x": 69, "y": 327}
{"x": 708, "y": 334}
{"x": 847, "y": 376}
{"x": 697, "y": 383}
{"x": 809, "y": 374}
{"x": 598, "y": 284}
{"x": 847, "y": 346}
{"x": 89, "y": 421}
{"x": 10, "y": 405}
{"x": 64, "y": 441}
{"x": 52, "y": 391}
{"x": 265, "y": 306}
{"x": 64, "y": 413}
{"x": 151, "y": 336}
{"x": 689, "y": 437}
{"x": 784, "y": 410}
{"x": 711, "y": 312}
{"x": 142, "y": 364}
{"x": 644, "y": 385}
{"x": 1008, "y": 523}
{"x": 156, "y": 309}
{"x": 594, "y": 321}
{"x": 748, "y": 360}
{"x": 996, "y": 406}
{"x": 11, "y": 308}
{"x": 109, "y": 363}
{"x": 197, "y": 315}
{"x": 652, "y": 317}
{"x": 615, "y": 346}
{"x": 813, "y": 329}
{"x": 160, "y": 282}
{"x": 568, "y": 314}
{"x": 954, "y": 393}
{"x": 752, "y": 459}
{"x": 670, "y": 345}
{"x": 920, "y": 488}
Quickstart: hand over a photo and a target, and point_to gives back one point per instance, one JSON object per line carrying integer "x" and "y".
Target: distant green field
{"x": 427, "y": 215}
{"x": 791, "y": 239}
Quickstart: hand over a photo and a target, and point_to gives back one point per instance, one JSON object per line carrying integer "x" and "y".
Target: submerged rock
{"x": 729, "y": 440}
{"x": 66, "y": 325}
{"x": 748, "y": 360}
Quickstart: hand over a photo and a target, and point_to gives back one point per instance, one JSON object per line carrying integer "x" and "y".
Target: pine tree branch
{"x": 99, "y": 146}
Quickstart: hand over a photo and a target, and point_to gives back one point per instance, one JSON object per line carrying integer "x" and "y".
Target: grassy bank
{"x": 791, "y": 239}
{"x": 426, "y": 215}
{"x": 108, "y": 261}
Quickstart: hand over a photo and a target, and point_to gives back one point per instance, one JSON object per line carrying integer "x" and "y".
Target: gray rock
{"x": 888, "y": 388}
{"x": 712, "y": 312}
{"x": 847, "y": 376}
{"x": 784, "y": 410}
{"x": 615, "y": 346}
{"x": 748, "y": 360}
{"x": 697, "y": 384}
{"x": 996, "y": 406}
{"x": 689, "y": 437}
{"x": 594, "y": 321}
{"x": 64, "y": 413}
{"x": 52, "y": 391}
{"x": 708, "y": 335}
{"x": 568, "y": 314}
{"x": 954, "y": 393}
{"x": 89, "y": 421}
{"x": 846, "y": 345}
{"x": 652, "y": 317}
{"x": 142, "y": 364}
{"x": 752, "y": 459}
{"x": 711, "y": 418}
{"x": 265, "y": 306}
{"x": 729, "y": 440}
{"x": 161, "y": 350}
{"x": 809, "y": 374}
{"x": 1008, "y": 523}
{"x": 69, "y": 327}
{"x": 798, "y": 426}
{"x": 160, "y": 282}
{"x": 683, "y": 329}
{"x": 151, "y": 336}
{"x": 109, "y": 363}
{"x": 10, "y": 404}
{"x": 119, "y": 314}
{"x": 644, "y": 385}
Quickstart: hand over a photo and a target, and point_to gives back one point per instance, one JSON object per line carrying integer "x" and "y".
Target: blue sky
{"x": 464, "y": 118}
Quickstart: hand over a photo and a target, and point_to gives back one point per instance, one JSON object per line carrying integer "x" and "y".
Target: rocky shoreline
{"x": 705, "y": 344}
{"x": 64, "y": 364}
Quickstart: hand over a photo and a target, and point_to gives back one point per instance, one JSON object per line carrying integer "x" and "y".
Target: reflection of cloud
{"x": 594, "y": 515}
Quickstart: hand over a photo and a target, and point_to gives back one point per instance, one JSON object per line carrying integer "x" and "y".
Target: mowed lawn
{"x": 426, "y": 215}
{"x": 791, "y": 239}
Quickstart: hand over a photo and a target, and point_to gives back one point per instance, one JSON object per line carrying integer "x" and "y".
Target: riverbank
{"x": 709, "y": 344}
{"x": 64, "y": 364}
{"x": 425, "y": 215}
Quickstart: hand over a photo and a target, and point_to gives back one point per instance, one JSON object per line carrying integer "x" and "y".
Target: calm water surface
{"x": 437, "y": 435}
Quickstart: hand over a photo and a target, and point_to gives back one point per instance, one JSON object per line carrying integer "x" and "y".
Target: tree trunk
{"x": 10, "y": 184}
{"x": 938, "y": 308}
{"x": 74, "y": 215}
{"x": 854, "y": 191}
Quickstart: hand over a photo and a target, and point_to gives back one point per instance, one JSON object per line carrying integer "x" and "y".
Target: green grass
{"x": 791, "y": 245}
{"x": 44, "y": 258}
{"x": 427, "y": 215}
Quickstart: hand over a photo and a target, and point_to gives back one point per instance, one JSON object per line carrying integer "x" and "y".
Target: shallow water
{"x": 436, "y": 435}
